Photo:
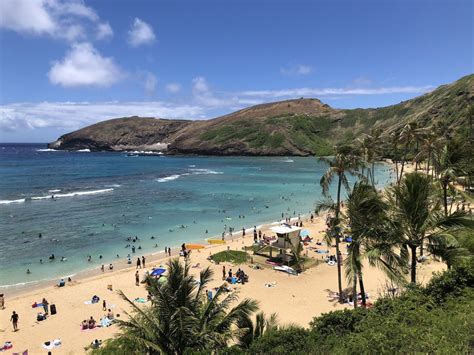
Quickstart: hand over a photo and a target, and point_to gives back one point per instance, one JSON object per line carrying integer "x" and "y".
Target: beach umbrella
{"x": 304, "y": 233}
{"x": 157, "y": 272}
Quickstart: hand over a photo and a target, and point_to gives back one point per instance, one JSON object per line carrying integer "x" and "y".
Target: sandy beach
{"x": 296, "y": 299}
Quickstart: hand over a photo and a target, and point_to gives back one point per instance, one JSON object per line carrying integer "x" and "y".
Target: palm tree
{"x": 346, "y": 160}
{"x": 370, "y": 146}
{"x": 372, "y": 237}
{"x": 262, "y": 326}
{"x": 428, "y": 150}
{"x": 417, "y": 212}
{"x": 407, "y": 136}
{"x": 181, "y": 317}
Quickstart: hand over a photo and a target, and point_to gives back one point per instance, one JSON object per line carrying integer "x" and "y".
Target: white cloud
{"x": 150, "y": 83}
{"x": 140, "y": 33}
{"x": 299, "y": 69}
{"x": 68, "y": 116}
{"x": 64, "y": 19}
{"x": 83, "y": 65}
{"x": 314, "y": 92}
{"x": 26, "y": 16}
{"x": 173, "y": 87}
{"x": 203, "y": 94}
{"x": 104, "y": 31}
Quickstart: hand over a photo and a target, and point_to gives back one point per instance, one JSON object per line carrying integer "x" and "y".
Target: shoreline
{"x": 20, "y": 289}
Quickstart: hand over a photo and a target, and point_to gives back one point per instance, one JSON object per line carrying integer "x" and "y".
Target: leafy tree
{"x": 181, "y": 318}
{"x": 417, "y": 212}
{"x": 346, "y": 160}
{"x": 373, "y": 237}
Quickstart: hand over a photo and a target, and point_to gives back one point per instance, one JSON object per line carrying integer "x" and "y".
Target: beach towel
{"x": 140, "y": 300}
{"x": 23, "y": 353}
{"x": 270, "y": 284}
{"x": 105, "y": 322}
{"x": 49, "y": 345}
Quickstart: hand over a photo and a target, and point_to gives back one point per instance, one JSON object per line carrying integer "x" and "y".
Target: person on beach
{"x": 102, "y": 268}
{"x": 2, "y": 301}
{"x": 14, "y": 319}
{"x": 169, "y": 251}
{"x": 104, "y": 305}
{"x": 139, "y": 265}
{"x": 223, "y": 273}
{"x": 143, "y": 261}
{"x": 137, "y": 278}
{"x": 243, "y": 232}
{"x": 166, "y": 250}
{"x": 111, "y": 267}
{"x": 110, "y": 314}
{"x": 45, "y": 306}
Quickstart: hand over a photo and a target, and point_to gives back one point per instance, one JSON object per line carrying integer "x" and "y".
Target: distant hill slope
{"x": 291, "y": 127}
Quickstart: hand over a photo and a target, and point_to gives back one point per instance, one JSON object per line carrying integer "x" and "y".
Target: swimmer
{"x": 28, "y": 271}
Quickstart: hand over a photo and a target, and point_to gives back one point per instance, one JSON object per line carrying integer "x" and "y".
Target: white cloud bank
{"x": 83, "y": 65}
{"x": 315, "y": 92}
{"x": 64, "y": 19}
{"x": 141, "y": 33}
{"x": 74, "y": 115}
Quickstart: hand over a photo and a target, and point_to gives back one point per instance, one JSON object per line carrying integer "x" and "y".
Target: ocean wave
{"x": 169, "y": 178}
{"x": 7, "y": 202}
{"x": 47, "y": 150}
{"x": 192, "y": 172}
{"x": 68, "y": 194}
{"x": 205, "y": 172}
{"x": 54, "y": 190}
{"x": 113, "y": 185}
{"x": 83, "y": 150}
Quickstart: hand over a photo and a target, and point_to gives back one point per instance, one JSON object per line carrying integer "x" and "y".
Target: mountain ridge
{"x": 291, "y": 127}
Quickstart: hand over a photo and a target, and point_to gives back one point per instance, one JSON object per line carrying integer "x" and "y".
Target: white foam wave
{"x": 7, "y": 202}
{"x": 169, "y": 178}
{"x": 47, "y": 150}
{"x": 54, "y": 190}
{"x": 192, "y": 172}
{"x": 83, "y": 150}
{"x": 69, "y": 194}
{"x": 205, "y": 172}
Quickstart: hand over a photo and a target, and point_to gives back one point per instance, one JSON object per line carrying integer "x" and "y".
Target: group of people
{"x": 239, "y": 277}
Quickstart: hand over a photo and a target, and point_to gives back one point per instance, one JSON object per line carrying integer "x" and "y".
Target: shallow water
{"x": 87, "y": 203}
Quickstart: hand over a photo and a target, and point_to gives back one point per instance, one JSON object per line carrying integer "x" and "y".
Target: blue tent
{"x": 157, "y": 272}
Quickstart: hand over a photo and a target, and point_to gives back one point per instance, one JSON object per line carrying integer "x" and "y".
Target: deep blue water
{"x": 100, "y": 199}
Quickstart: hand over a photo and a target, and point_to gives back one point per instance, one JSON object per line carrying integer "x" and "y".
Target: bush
{"x": 231, "y": 256}
{"x": 291, "y": 340}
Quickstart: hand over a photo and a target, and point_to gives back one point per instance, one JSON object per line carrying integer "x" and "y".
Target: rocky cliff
{"x": 292, "y": 127}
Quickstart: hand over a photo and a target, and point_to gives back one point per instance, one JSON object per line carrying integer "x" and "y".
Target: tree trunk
{"x": 362, "y": 290}
{"x": 403, "y": 163}
{"x": 354, "y": 290}
{"x": 338, "y": 257}
{"x": 413, "y": 264}
{"x": 445, "y": 198}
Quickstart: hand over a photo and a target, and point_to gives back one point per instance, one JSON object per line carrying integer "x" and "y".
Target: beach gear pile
{"x": 49, "y": 345}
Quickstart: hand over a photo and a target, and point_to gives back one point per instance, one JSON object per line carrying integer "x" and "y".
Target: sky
{"x": 65, "y": 64}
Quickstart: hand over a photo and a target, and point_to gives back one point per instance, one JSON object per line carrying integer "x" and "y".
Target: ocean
{"x": 80, "y": 204}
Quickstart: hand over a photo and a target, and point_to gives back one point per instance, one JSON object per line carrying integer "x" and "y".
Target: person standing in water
{"x": 139, "y": 263}
{"x": 169, "y": 251}
{"x": 143, "y": 262}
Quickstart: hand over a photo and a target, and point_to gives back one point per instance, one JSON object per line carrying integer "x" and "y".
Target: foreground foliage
{"x": 181, "y": 318}
{"x": 438, "y": 318}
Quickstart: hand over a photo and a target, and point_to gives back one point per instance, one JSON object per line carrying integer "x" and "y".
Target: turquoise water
{"x": 101, "y": 199}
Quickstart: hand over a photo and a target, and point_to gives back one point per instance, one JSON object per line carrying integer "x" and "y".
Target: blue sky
{"x": 65, "y": 64}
